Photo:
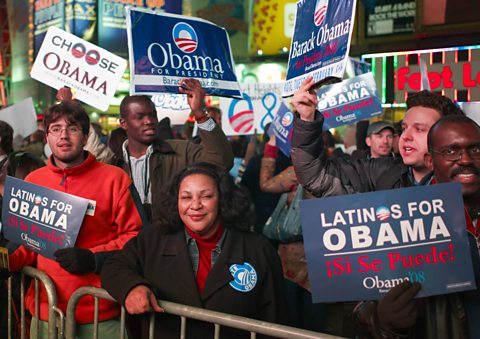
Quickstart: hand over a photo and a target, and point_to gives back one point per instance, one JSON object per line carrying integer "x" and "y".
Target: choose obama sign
{"x": 90, "y": 71}
{"x": 359, "y": 246}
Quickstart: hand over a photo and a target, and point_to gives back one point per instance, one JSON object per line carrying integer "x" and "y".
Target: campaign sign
{"x": 165, "y": 48}
{"x": 359, "y": 246}
{"x": 90, "y": 71}
{"x": 173, "y": 106}
{"x": 320, "y": 43}
{"x": 21, "y": 116}
{"x": 257, "y": 108}
{"x": 282, "y": 128}
{"x": 41, "y": 219}
{"x": 349, "y": 101}
{"x": 238, "y": 118}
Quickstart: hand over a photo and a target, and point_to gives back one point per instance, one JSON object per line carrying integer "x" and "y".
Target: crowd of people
{"x": 171, "y": 222}
{"x": 424, "y": 146}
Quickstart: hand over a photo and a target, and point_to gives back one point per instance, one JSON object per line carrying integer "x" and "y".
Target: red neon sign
{"x": 407, "y": 80}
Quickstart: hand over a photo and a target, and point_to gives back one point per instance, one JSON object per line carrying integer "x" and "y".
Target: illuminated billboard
{"x": 454, "y": 72}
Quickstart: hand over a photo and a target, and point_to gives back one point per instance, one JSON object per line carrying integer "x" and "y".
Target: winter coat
{"x": 339, "y": 176}
{"x": 162, "y": 262}
{"x": 171, "y": 156}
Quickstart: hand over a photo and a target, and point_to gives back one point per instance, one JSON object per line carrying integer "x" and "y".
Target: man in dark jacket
{"x": 151, "y": 162}
{"x": 379, "y": 140}
{"x": 327, "y": 177}
{"x": 339, "y": 176}
{"x": 454, "y": 156}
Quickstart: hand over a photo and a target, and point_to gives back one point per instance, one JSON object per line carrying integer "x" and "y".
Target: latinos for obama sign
{"x": 349, "y": 101}
{"x": 66, "y": 60}
{"x": 165, "y": 48}
{"x": 41, "y": 219}
{"x": 359, "y": 246}
{"x": 320, "y": 43}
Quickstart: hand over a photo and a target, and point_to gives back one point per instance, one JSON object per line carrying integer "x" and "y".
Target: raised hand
{"x": 305, "y": 100}
{"x": 195, "y": 96}
{"x": 64, "y": 94}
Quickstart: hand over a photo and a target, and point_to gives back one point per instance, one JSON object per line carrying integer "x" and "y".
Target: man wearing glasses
{"x": 454, "y": 156}
{"x": 112, "y": 219}
{"x": 327, "y": 177}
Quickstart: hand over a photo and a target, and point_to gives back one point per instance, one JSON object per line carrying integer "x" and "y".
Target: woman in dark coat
{"x": 201, "y": 253}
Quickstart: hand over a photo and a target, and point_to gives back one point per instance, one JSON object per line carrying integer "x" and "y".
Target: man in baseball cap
{"x": 380, "y": 139}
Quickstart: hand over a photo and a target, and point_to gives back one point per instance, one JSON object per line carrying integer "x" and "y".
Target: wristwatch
{"x": 203, "y": 118}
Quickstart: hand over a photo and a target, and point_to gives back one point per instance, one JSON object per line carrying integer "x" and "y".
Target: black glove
{"x": 397, "y": 310}
{"x": 76, "y": 260}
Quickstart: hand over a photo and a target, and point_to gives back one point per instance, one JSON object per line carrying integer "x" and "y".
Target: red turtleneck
{"x": 205, "y": 247}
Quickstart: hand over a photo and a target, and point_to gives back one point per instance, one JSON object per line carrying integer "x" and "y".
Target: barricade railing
{"x": 39, "y": 277}
{"x": 62, "y": 326}
{"x": 189, "y": 312}
{"x": 97, "y": 293}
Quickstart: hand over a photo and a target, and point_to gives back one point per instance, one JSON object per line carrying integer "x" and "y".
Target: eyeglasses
{"x": 454, "y": 154}
{"x": 57, "y": 130}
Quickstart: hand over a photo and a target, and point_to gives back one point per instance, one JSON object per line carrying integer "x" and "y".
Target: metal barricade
{"x": 183, "y": 311}
{"x": 97, "y": 293}
{"x": 43, "y": 278}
